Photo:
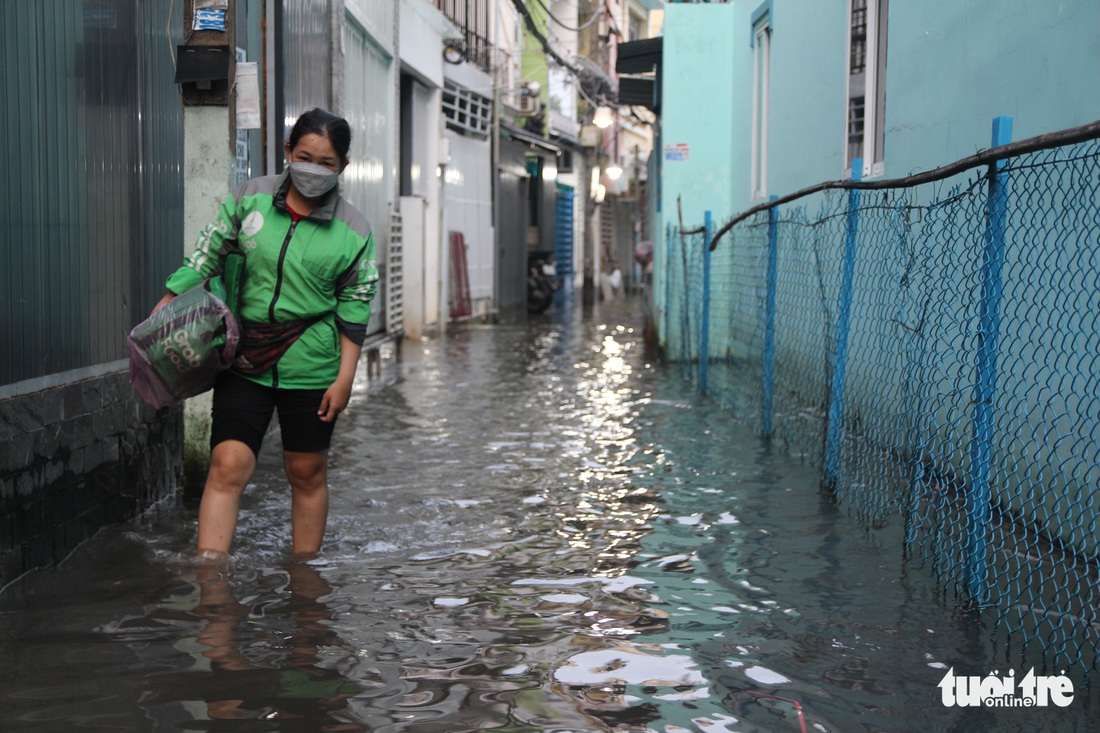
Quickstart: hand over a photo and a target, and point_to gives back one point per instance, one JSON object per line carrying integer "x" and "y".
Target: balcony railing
{"x": 472, "y": 19}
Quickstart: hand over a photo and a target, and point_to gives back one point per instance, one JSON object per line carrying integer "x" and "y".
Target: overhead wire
{"x": 534, "y": 29}
{"x": 577, "y": 73}
{"x": 590, "y": 21}
{"x": 580, "y": 88}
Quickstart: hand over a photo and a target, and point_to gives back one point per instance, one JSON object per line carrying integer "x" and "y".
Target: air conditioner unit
{"x": 527, "y": 105}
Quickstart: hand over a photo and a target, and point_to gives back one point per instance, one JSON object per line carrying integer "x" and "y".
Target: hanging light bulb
{"x": 603, "y": 117}
{"x": 614, "y": 171}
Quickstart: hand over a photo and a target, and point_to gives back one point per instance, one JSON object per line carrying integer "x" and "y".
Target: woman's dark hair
{"x": 324, "y": 123}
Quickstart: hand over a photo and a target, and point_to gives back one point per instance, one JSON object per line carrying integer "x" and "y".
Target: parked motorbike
{"x": 542, "y": 283}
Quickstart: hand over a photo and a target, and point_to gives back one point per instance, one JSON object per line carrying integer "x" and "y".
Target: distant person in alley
{"x": 305, "y": 287}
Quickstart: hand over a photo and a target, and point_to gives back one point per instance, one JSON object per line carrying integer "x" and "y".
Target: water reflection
{"x": 242, "y": 673}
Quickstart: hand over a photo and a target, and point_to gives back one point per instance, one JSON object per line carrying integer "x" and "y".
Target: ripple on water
{"x": 531, "y": 530}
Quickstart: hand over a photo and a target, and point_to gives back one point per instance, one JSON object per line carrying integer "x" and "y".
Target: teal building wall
{"x": 952, "y": 66}
{"x": 702, "y": 86}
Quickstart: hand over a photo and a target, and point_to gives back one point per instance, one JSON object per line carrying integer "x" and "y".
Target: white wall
{"x": 413, "y": 216}
{"x": 420, "y": 39}
{"x": 506, "y": 39}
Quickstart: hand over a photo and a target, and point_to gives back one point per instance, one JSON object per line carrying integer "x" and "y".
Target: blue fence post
{"x": 985, "y": 387}
{"x": 704, "y": 327}
{"x": 769, "y": 319}
{"x": 668, "y": 287}
{"x": 843, "y": 322}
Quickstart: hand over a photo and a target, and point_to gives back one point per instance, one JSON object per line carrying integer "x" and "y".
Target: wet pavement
{"x": 533, "y": 528}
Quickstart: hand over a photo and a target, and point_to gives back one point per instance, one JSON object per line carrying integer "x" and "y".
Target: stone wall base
{"x": 74, "y": 458}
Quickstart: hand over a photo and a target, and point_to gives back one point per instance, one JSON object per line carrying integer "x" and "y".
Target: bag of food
{"x": 178, "y": 351}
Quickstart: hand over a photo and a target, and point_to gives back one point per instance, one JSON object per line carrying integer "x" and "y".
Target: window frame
{"x": 760, "y": 42}
{"x": 466, "y": 112}
{"x": 870, "y": 86}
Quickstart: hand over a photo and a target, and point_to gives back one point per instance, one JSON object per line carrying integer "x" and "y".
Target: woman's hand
{"x": 334, "y": 401}
{"x": 339, "y": 393}
{"x": 162, "y": 302}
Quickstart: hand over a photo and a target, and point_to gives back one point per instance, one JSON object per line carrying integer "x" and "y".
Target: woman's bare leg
{"x": 232, "y": 464}
{"x": 308, "y": 476}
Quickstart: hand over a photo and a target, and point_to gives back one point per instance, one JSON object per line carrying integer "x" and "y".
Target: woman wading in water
{"x": 307, "y": 281}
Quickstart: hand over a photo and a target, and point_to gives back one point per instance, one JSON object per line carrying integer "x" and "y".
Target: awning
{"x": 638, "y": 91}
{"x": 639, "y": 57}
{"x": 534, "y": 141}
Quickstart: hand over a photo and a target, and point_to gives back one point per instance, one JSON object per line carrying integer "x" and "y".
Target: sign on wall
{"x": 677, "y": 152}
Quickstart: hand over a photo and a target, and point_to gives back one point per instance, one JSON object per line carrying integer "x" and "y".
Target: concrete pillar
{"x": 208, "y": 167}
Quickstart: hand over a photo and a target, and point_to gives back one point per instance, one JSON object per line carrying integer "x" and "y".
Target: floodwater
{"x": 533, "y": 528}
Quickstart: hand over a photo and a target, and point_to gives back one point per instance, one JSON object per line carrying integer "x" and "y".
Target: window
{"x": 866, "y": 85}
{"x": 857, "y": 47}
{"x": 761, "y": 44}
{"x": 855, "y": 129}
{"x": 467, "y": 112}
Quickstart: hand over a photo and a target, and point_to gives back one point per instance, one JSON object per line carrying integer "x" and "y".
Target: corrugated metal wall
{"x": 469, "y": 198}
{"x": 369, "y": 96}
{"x": 370, "y": 86}
{"x": 377, "y": 18}
{"x": 307, "y": 59}
{"x": 92, "y": 193}
{"x": 161, "y": 173}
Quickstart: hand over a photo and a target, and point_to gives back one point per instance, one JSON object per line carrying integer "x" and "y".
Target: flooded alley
{"x": 533, "y": 528}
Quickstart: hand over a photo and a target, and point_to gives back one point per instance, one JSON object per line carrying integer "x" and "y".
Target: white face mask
{"x": 312, "y": 180}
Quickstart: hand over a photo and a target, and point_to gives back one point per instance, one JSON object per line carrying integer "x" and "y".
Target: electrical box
{"x": 203, "y": 74}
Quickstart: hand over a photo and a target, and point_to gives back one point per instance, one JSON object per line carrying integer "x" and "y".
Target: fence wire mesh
{"x": 934, "y": 349}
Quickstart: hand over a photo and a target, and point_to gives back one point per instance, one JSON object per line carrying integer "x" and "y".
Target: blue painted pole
{"x": 704, "y": 337}
{"x": 843, "y": 323}
{"x": 769, "y": 319}
{"x": 666, "y": 337}
{"x": 985, "y": 388}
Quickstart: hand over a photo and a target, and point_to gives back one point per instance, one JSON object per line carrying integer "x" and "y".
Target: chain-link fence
{"x": 935, "y": 349}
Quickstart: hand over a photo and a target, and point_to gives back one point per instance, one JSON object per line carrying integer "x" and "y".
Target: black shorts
{"x": 242, "y": 411}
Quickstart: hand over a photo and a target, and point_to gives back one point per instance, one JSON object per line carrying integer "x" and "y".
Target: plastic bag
{"x": 178, "y": 351}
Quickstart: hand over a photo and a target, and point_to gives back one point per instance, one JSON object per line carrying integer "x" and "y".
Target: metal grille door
{"x": 563, "y": 232}
{"x": 395, "y": 272}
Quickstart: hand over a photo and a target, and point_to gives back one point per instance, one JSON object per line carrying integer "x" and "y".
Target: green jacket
{"x": 321, "y": 267}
